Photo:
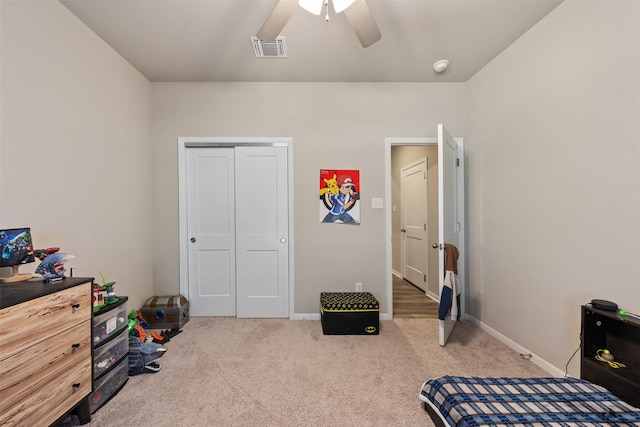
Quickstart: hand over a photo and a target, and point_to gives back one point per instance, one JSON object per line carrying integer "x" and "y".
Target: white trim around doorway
{"x": 389, "y": 142}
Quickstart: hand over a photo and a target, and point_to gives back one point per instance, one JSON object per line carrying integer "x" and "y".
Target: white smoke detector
{"x": 441, "y": 65}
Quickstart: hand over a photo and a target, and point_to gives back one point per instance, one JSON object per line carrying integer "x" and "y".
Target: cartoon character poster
{"x": 340, "y": 196}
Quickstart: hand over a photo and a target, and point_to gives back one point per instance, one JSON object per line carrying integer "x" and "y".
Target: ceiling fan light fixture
{"x": 312, "y": 6}
{"x": 356, "y": 12}
{"x": 341, "y": 5}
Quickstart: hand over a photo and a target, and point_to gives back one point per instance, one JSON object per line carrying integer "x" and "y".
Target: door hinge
{"x": 457, "y": 162}
{"x": 457, "y": 226}
{"x": 425, "y": 278}
{"x": 425, "y": 227}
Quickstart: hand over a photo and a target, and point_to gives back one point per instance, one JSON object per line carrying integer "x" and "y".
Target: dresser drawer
{"x": 46, "y": 404}
{"x": 24, "y": 373}
{"x": 26, "y": 324}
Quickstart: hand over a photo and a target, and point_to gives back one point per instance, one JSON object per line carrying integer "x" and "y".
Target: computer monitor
{"x": 16, "y": 248}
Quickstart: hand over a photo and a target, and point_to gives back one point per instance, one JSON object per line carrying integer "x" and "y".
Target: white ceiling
{"x": 208, "y": 40}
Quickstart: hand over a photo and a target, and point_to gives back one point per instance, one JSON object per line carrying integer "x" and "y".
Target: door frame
{"x": 185, "y": 143}
{"x": 389, "y": 142}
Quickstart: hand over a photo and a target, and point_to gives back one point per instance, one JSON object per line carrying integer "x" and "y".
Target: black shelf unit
{"x": 621, "y": 336}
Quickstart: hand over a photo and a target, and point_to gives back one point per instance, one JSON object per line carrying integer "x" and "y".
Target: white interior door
{"x": 448, "y": 221}
{"x": 211, "y": 231}
{"x": 237, "y": 214}
{"x": 414, "y": 223}
{"x": 262, "y": 232}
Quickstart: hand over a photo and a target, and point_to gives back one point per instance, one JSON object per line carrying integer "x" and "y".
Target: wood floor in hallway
{"x": 411, "y": 302}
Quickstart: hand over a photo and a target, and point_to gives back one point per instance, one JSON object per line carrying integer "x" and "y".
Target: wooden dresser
{"x": 45, "y": 351}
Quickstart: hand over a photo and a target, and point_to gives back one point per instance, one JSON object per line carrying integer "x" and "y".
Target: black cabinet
{"x": 621, "y": 336}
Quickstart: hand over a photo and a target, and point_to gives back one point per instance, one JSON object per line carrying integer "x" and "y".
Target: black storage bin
{"x": 349, "y": 313}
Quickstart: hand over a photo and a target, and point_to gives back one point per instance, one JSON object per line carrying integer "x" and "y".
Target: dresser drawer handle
{"x": 75, "y": 305}
{"x": 76, "y": 385}
{"x": 76, "y": 345}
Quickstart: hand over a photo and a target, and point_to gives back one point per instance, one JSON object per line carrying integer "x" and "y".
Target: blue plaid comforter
{"x": 472, "y": 401}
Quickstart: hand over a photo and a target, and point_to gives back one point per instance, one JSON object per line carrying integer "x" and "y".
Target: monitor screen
{"x": 16, "y": 247}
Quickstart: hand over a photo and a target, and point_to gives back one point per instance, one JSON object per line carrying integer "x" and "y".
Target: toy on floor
{"x": 143, "y": 356}
{"x": 138, "y": 328}
{"x": 166, "y": 335}
{"x": 137, "y": 325}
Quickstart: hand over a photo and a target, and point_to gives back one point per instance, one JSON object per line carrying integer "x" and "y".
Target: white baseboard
{"x": 517, "y": 347}
{"x": 306, "y": 316}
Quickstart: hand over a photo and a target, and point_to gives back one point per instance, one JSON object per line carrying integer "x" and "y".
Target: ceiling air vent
{"x": 265, "y": 49}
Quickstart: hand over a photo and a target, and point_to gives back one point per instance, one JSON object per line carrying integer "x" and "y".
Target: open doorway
{"x": 414, "y": 224}
{"x": 450, "y": 208}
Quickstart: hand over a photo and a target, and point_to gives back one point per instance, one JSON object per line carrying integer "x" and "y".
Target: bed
{"x": 473, "y": 401}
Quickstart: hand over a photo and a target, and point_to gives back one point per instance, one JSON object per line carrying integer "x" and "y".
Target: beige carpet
{"x": 248, "y": 372}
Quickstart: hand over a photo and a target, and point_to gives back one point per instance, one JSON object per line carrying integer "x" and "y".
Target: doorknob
{"x": 402, "y": 230}
{"x": 193, "y": 240}
{"x": 436, "y": 246}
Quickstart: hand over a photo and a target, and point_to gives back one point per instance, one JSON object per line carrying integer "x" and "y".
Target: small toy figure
{"x": 41, "y": 254}
{"x": 98, "y": 298}
{"x": 52, "y": 265}
{"x": 108, "y": 287}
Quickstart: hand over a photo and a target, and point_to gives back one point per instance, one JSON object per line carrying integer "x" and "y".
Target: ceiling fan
{"x": 356, "y": 11}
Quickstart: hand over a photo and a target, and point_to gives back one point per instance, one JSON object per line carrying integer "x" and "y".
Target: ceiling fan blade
{"x": 277, "y": 20}
{"x": 363, "y": 23}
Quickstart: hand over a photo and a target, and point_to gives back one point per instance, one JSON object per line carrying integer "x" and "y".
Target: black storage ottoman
{"x": 349, "y": 313}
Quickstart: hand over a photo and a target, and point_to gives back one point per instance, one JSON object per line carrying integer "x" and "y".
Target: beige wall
{"x": 75, "y": 161}
{"x": 333, "y": 125}
{"x": 89, "y": 159}
{"x": 553, "y": 177}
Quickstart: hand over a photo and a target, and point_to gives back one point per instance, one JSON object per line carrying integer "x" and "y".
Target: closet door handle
{"x": 193, "y": 240}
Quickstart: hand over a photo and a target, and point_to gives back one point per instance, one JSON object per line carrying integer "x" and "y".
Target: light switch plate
{"x": 376, "y": 202}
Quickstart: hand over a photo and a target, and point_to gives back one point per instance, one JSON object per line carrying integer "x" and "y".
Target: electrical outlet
{"x": 358, "y": 287}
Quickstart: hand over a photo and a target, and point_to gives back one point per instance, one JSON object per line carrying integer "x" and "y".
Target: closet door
{"x": 211, "y": 231}
{"x": 262, "y": 237}
{"x": 238, "y": 256}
